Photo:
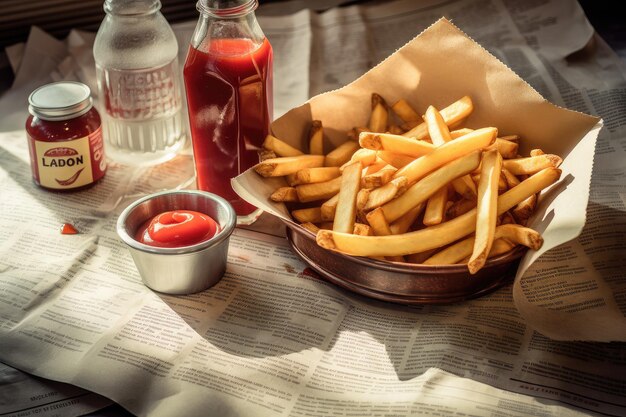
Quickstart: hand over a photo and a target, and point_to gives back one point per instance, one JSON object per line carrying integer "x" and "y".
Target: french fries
{"x": 413, "y": 188}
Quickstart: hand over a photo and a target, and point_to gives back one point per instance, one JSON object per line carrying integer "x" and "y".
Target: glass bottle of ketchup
{"x": 228, "y": 80}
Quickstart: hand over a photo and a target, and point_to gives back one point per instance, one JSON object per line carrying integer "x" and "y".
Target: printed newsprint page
{"x": 272, "y": 338}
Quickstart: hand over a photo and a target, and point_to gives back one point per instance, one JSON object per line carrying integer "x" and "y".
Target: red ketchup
{"x": 229, "y": 95}
{"x": 174, "y": 229}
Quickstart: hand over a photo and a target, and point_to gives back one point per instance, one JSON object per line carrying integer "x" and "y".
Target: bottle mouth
{"x": 226, "y": 8}
{"x": 131, "y": 7}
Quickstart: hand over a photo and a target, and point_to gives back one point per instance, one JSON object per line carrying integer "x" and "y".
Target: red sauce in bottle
{"x": 174, "y": 229}
{"x": 229, "y": 95}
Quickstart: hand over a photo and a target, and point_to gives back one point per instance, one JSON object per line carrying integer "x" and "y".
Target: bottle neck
{"x": 131, "y": 7}
{"x": 225, "y": 9}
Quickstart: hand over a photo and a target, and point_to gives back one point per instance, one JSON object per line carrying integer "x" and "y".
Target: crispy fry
{"x": 465, "y": 187}
{"x": 310, "y": 227}
{"x": 499, "y": 247}
{"x": 328, "y": 208}
{"x": 285, "y": 194}
{"x": 313, "y": 175}
{"x": 460, "y": 132}
{"x": 511, "y": 232}
{"x": 523, "y": 210}
{"x": 365, "y": 156}
{"x": 486, "y": 210}
{"x": 318, "y": 190}
{"x": 403, "y": 224}
{"x": 435, "y": 207}
{"x": 375, "y": 167}
{"x": 395, "y": 159}
{"x": 353, "y": 134}
{"x": 434, "y": 236}
{"x": 395, "y": 130}
{"x": 341, "y": 154}
{"x": 511, "y": 180}
{"x": 405, "y": 112}
{"x": 419, "y": 258}
{"x": 265, "y": 154}
{"x": 378, "y": 179}
{"x": 279, "y": 147}
{"x": 378, "y": 196}
{"x": 379, "y": 116}
{"x": 316, "y": 138}
{"x": 345, "y": 214}
{"x": 531, "y": 165}
{"x": 395, "y": 143}
{"x": 536, "y": 152}
{"x": 456, "y": 111}
{"x": 307, "y": 215}
{"x": 277, "y": 167}
{"x": 362, "y": 229}
{"x": 447, "y": 152}
{"x": 380, "y": 227}
{"x": 460, "y": 207}
{"x": 437, "y": 127}
{"x": 508, "y": 149}
{"x": 426, "y": 187}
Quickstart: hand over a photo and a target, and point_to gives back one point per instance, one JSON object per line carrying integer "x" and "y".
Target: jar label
{"x": 70, "y": 164}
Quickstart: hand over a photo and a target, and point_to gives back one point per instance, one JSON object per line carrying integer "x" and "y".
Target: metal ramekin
{"x": 187, "y": 269}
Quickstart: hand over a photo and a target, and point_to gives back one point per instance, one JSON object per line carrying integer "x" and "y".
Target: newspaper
{"x": 272, "y": 338}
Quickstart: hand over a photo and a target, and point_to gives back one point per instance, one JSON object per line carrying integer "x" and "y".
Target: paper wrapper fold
{"x": 438, "y": 67}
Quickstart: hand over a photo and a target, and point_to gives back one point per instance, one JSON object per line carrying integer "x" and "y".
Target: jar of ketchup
{"x": 64, "y": 137}
{"x": 228, "y": 81}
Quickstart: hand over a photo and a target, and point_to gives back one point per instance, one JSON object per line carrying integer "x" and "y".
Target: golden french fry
{"x": 433, "y": 236}
{"x": 265, "y": 154}
{"x": 395, "y": 144}
{"x": 328, "y": 208}
{"x": 395, "y": 130}
{"x": 447, "y": 152}
{"x": 460, "y": 132}
{"x": 437, "y": 127}
{"x": 341, "y": 154}
{"x": 279, "y": 147}
{"x": 511, "y": 180}
{"x": 427, "y": 186}
{"x": 378, "y": 179}
{"x": 378, "y": 196}
{"x": 486, "y": 210}
{"x": 307, "y": 215}
{"x": 536, "y": 152}
{"x": 511, "y": 232}
{"x": 316, "y": 138}
{"x": 512, "y": 138}
{"x": 345, "y": 214}
{"x": 362, "y": 229}
{"x": 277, "y": 167}
{"x": 310, "y": 227}
{"x": 523, "y": 210}
{"x": 531, "y": 165}
{"x": 403, "y": 224}
{"x": 285, "y": 194}
{"x": 508, "y": 149}
{"x": 460, "y": 207}
{"x": 395, "y": 159}
{"x": 405, "y": 112}
{"x": 499, "y": 247}
{"x": 318, "y": 191}
{"x": 379, "y": 116}
{"x": 378, "y": 223}
{"x": 375, "y": 167}
{"x": 455, "y": 112}
{"x": 313, "y": 175}
{"x": 465, "y": 187}
{"x": 353, "y": 134}
{"x": 435, "y": 207}
{"x": 365, "y": 156}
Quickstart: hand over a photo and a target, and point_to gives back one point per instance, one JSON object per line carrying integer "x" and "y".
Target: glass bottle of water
{"x": 138, "y": 83}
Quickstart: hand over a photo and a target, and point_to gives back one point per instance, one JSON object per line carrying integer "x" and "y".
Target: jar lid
{"x": 60, "y": 101}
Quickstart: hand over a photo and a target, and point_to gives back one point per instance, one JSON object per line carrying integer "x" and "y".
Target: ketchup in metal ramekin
{"x": 64, "y": 137}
